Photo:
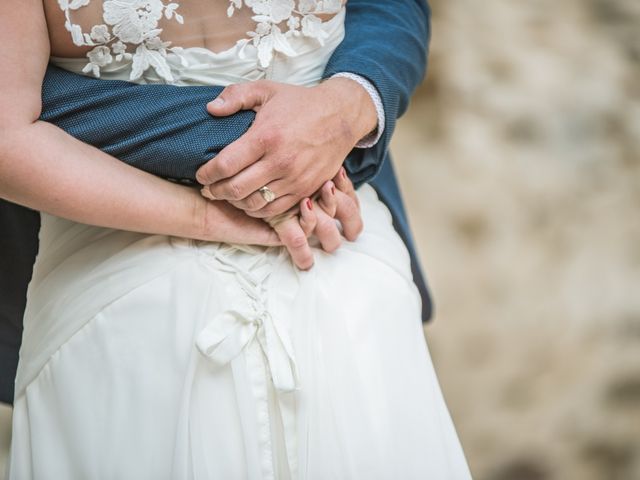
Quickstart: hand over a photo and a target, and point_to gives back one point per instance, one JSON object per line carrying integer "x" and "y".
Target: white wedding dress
{"x": 152, "y": 357}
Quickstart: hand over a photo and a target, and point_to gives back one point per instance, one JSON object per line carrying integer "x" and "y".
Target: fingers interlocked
{"x": 336, "y": 200}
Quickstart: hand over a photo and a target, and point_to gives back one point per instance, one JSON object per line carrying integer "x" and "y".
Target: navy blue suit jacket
{"x": 166, "y": 131}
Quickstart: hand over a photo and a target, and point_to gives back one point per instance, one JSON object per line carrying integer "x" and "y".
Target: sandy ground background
{"x": 520, "y": 164}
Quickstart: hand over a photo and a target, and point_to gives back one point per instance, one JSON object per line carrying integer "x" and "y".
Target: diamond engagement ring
{"x": 267, "y": 194}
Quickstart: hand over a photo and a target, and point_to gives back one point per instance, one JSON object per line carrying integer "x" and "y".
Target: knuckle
{"x": 253, "y": 203}
{"x": 234, "y": 191}
{"x": 306, "y": 178}
{"x": 297, "y": 240}
{"x": 272, "y": 138}
{"x": 283, "y": 163}
{"x": 231, "y": 90}
{"x": 225, "y": 167}
{"x": 262, "y": 86}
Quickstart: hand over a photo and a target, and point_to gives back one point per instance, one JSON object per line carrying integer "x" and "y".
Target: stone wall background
{"x": 519, "y": 162}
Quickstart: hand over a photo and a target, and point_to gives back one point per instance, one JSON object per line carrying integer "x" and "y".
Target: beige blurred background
{"x": 520, "y": 163}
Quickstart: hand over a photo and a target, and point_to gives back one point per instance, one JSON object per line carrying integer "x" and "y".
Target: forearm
{"x": 45, "y": 169}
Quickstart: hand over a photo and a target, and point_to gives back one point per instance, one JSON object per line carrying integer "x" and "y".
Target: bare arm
{"x": 46, "y": 169}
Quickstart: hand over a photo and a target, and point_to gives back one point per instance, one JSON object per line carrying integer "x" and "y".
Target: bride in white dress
{"x": 157, "y": 357}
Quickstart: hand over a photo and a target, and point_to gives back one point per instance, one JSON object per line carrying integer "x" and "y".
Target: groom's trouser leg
{"x": 18, "y": 249}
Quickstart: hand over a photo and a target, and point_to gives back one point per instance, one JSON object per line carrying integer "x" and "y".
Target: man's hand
{"x": 300, "y": 137}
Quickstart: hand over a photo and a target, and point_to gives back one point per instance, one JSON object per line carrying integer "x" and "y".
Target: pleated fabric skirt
{"x": 151, "y": 357}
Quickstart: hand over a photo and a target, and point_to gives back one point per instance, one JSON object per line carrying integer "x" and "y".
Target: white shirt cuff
{"x": 373, "y": 138}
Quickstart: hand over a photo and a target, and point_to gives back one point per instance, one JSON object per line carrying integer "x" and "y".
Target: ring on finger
{"x": 268, "y": 194}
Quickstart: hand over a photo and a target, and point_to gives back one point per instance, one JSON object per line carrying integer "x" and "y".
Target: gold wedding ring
{"x": 267, "y": 194}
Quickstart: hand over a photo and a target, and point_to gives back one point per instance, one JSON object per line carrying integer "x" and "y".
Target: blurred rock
{"x": 520, "y": 163}
{"x": 5, "y": 436}
{"x": 522, "y": 469}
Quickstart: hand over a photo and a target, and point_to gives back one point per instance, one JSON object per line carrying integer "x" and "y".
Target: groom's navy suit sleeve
{"x": 395, "y": 64}
{"x": 166, "y": 130}
{"x": 386, "y": 43}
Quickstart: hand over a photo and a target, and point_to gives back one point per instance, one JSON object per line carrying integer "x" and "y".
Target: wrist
{"x": 201, "y": 225}
{"x": 356, "y": 105}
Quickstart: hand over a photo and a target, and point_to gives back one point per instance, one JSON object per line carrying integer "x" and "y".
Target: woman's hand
{"x": 336, "y": 201}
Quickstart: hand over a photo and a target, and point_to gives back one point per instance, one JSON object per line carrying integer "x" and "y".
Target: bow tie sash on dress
{"x": 247, "y": 323}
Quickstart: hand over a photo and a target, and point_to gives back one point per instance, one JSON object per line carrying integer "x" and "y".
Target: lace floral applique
{"x": 134, "y": 23}
{"x": 300, "y": 17}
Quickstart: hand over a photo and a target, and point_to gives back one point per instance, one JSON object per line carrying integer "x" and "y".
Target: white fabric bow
{"x": 231, "y": 331}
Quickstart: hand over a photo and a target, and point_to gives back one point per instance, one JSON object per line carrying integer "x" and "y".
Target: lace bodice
{"x": 130, "y": 32}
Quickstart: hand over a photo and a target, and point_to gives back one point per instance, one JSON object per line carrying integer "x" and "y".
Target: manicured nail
{"x": 309, "y": 204}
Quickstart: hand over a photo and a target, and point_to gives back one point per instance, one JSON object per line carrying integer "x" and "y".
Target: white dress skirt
{"x": 153, "y": 357}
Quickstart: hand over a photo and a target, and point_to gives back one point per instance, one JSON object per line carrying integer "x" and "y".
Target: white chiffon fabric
{"x": 153, "y": 357}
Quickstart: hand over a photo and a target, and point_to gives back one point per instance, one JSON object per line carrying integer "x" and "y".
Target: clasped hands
{"x": 295, "y": 147}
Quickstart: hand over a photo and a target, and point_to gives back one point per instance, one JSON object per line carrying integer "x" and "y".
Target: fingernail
{"x": 309, "y": 204}
{"x": 218, "y": 102}
{"x": 206, "y": 193}
{"x": 333, "y": 190}
{"x": 343, "y": 173}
